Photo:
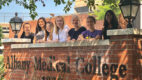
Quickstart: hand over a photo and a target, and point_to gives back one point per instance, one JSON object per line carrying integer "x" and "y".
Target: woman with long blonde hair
{"x": 49, "y": 28}
{"x": 60, "y": 32}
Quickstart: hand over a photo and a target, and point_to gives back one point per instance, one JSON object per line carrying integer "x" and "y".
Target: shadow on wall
{"x": 123, "y": 52}
{"x": 115, "y": 54}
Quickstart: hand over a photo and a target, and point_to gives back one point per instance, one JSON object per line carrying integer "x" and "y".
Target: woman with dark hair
{"x": 110, "y": 22}
{"x": 41, "y": 30}
{"x": 26, "y": 32}
{"x": 91, "y": 33}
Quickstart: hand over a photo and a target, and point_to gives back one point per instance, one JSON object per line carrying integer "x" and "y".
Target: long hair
{"x": 23, "y": 34}
{"x": 51, "y": 32}
{"x": 114, "y": 21}
{"x": 38, "y": 28}
{"x": 56, "y": 27}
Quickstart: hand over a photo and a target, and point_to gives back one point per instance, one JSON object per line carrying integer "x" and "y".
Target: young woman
{"x": 60, "y": 32}
{"x": 90, "y": 33}
{"x": 77, "y": 30}
{"x": 49, "y": 28}
{"x": 110, "y": 22}
{"x": 26, "y": 32}
{"x": 41, "y": 30}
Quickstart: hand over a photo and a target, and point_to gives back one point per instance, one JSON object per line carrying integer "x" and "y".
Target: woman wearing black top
{"x": 110, "y": 22}
{"x": 77, "y": 30}
{"x": 26, "y": 32}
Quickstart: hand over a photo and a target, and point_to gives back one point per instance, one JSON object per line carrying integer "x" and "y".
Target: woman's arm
{"x": 40, "y": 41}
{"x": 80, "y": 37}
{"x": 68, "y": 38}
{"x": 96, "y": 38}
{"x": 34, "y": 40}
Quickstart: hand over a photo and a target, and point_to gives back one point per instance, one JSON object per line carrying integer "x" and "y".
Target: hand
{"x": 56, "y": 40}
{"x": 91, "y": 39}
{"x": 40, "y": 41}
{"x": 80, "y": 37}
{"x": 73, "y": 40}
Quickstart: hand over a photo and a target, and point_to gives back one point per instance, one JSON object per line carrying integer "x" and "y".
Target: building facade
{"x": 81, "y": 6}
{"x": 5, "y": 29}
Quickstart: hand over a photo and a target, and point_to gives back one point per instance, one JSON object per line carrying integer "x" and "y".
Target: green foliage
{"x": 1, "y": 35}
{"x": 68, "y": 6}
{"x": 107, "y": 5}
{"x": 31, "y": 4}
{"x": 1, "y": 67}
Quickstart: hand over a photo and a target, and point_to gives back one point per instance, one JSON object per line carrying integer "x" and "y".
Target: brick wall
{"x": 121, "y": 58}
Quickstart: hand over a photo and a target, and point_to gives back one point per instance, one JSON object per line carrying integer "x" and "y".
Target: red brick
{"x": 127, "y": 52}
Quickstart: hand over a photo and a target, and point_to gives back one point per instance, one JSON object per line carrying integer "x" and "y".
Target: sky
{"x": 7, "y": 12}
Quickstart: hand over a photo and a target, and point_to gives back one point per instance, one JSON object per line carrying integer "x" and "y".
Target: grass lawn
{"x": 1, "y": 57}
{"x": 1, "y": 67}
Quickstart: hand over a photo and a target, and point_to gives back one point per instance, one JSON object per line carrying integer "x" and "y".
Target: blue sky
{"x": 7, "y": 12}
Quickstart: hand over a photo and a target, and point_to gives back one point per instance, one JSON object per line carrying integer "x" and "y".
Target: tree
{"x": 1, "y": 67}
{"x": 31, "y": 4}
{"x": 1, "y": 35}
{"x": 1, "y": 58}
{"x": 101, "y": 9}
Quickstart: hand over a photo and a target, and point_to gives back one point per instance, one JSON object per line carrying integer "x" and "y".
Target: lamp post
{"x": 16, "y": 24}
{"x": 129, "y": 9}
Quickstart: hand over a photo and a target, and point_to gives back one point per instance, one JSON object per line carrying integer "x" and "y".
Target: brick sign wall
{"x": 119, "y": 58}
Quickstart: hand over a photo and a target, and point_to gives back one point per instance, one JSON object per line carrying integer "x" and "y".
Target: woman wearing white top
{"x": 60, "y": 32}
